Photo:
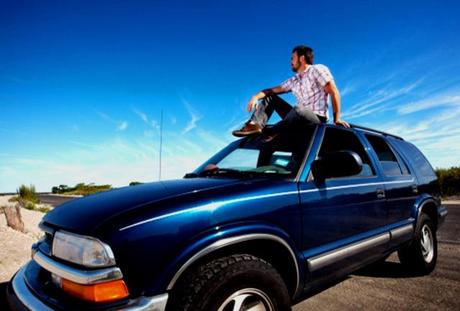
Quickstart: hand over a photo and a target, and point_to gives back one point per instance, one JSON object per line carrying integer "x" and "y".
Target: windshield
{"x": 255, "y": 157}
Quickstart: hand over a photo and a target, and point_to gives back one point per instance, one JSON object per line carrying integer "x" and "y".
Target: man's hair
{"x": 303, "y": 50}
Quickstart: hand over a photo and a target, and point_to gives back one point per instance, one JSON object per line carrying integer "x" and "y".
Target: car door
{"x": 400, "y": 186}
{"x": 341, "y": 211}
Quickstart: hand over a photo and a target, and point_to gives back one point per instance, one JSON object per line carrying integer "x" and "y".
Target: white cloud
{"x": 194, "y": 117}
{"x": 375, "y": 102}
{"x": 432, "y": 102}
{"x": 142, "y": 115}
{"x": 122, "y": 126}
{"x": 438, "y": 135}
{"x": 150, "y": 122}
{"x": 116, "y": 161}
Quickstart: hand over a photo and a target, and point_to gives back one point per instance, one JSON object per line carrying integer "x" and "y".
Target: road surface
{"x": 389, "y": 287}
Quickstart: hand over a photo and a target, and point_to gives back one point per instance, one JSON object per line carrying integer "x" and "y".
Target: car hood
{"x": 86, "y": 215}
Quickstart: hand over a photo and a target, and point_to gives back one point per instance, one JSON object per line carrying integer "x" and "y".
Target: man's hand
{"x": 342, "y": 123}
{"x": 252, "y": 103}
{"x": 332, "y": 90}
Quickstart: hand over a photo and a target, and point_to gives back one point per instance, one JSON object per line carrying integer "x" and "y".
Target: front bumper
{"x": 20, "y": 297}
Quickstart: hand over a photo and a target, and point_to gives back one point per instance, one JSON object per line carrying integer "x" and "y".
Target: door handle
{"x": 380, "y": 193}
{"x": 414, "y": 188}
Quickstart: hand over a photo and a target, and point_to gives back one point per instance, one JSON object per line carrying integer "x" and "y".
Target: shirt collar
{"x": 301, "y": 74}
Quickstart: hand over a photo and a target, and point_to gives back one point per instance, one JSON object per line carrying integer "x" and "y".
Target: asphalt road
{"x": 53, "y": 200}
{"x": 388, "y": 286}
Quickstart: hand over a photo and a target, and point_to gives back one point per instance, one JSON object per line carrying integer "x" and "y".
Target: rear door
{"x": 400, "y": 186}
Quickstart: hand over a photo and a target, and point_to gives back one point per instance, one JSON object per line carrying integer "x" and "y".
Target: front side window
{"x": 344, "y": 140}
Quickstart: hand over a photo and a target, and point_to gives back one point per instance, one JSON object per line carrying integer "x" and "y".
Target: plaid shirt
{"x": 308, "y": 88}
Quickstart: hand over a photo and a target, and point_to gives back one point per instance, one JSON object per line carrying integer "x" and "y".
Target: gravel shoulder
{"x": 15, "y": 245}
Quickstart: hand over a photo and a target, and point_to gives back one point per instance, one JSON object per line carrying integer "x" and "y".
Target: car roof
{"x": 366, "y": 129}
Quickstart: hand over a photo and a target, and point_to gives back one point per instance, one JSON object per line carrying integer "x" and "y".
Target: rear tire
{"x": 421, "y": 254}
{"x": 226, "y": 283}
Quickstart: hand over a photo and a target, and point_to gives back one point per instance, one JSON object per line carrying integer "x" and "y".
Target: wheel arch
{"x": 427, "y": 205}
{"x": 268, "y": 246}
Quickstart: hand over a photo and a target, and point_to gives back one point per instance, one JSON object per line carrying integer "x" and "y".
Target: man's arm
{"x": 254, "y": 99}
{"x": 332, "y": 90}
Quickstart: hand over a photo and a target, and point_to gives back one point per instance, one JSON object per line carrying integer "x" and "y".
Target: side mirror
{"x": 336, "y": 164}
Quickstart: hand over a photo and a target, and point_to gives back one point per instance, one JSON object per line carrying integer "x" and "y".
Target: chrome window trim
{"x": 322, "y": 260}
{"x": 77, "y": 275}
{"x": 230, "y": 241}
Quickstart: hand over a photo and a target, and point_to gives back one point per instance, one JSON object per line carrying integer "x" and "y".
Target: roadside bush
{"x": 134, "y": 183}
{"x": 80, "y": 189}
{"x": 29, "y": 205}
{"x": 449, "y": 181}
{"x": 28, "y": 194}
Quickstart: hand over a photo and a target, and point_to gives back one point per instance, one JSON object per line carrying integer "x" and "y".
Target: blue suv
{"x": 258, "y": 226}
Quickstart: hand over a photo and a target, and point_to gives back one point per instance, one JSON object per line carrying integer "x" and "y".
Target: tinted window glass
{"x": 256, "y": 157}
{"x": 343, "y": 140}
{"x": 418, "y": 161}
{"x": 387, "y": 158}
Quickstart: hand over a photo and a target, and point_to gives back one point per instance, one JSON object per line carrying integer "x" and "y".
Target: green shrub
{"x": 28, "y": 194}
{"x": 80, "y": 189}
{"x": 134, "y": 183}
{"x": 29, "y": 205}
{"x": 449, "y": 181}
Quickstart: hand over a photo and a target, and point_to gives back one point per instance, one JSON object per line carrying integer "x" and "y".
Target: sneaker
{"x": 248, "y": 129}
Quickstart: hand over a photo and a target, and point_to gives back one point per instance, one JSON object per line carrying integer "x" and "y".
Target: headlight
{"x": 82, "y": 250}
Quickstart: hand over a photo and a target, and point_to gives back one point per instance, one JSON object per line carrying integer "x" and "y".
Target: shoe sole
{"x": 247, "y": 133}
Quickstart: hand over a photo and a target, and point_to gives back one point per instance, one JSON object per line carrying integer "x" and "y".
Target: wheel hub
{"x": 427, "y": 244}
{"x": 248, "y": 299}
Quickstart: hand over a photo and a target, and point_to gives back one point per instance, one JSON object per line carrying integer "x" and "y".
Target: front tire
{"x": 421, "y": 254}
{"x": 236, "y": 282}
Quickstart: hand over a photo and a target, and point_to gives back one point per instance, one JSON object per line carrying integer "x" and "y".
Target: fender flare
{"x": 420, "y": 203}
{"x": 219, "y": 240}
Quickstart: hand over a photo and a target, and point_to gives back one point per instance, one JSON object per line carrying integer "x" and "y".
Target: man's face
{"x": 295, "y": 62}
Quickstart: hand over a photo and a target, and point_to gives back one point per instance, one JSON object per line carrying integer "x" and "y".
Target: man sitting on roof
{"x": 311, "y": 86}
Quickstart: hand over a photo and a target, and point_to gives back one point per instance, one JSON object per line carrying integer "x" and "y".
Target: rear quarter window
{"x": 415, "y": 157}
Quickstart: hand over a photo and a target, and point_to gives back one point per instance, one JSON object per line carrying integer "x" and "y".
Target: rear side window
{"x": 415, "y": 157}
{"x": 343, "y": 140}
{"x": 386, "y": 156}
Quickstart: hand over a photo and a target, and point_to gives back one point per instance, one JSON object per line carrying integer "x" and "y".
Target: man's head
{"x": 301, "y": 56}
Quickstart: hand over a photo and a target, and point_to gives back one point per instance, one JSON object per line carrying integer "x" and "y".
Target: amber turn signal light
{"x": 101, "y": 292}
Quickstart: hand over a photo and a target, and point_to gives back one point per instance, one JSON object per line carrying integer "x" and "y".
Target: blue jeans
{"x": 290, "y": 116}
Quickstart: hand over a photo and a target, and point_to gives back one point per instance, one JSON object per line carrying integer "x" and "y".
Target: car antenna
{"x": 161, "y": 143}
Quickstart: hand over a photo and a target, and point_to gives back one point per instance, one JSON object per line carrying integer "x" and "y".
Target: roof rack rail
{"x": 374, "y": 131}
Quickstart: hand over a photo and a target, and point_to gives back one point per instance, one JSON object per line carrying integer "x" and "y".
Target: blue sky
{"x": 83, "y": 83}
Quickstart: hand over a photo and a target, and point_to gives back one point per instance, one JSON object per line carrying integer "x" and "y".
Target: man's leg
{"x": 294, "y": 118}
{"x": 262, "y": 114}
{"x": 265, "y": 109}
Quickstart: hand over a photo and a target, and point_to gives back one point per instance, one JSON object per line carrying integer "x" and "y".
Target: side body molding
{"x": 231, "y": 241}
